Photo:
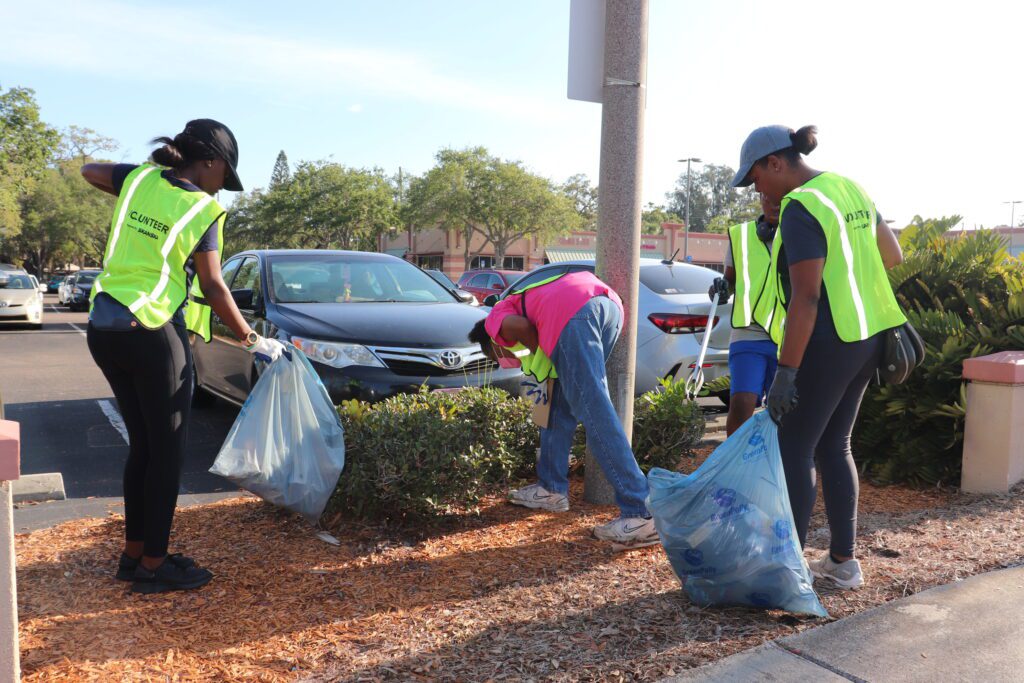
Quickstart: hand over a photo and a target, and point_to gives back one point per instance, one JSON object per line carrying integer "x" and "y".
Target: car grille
{"x": 428, "y": 362}
{"x": 410, "y": 368}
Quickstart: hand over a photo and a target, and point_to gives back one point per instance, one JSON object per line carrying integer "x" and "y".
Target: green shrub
{"x": 424, "y": 454}
{"x": 666, "y": 426}
{"x": 965, "y": 296}
{"x": 416, "y": 455}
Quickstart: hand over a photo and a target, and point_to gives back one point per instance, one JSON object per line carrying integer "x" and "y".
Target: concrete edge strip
{"x": 817, "y": 662}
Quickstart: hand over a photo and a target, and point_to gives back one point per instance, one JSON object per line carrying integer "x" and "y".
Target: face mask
{"x": 504, "y": 362}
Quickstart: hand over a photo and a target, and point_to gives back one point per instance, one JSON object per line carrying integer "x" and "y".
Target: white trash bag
{"x": 287, "y": 445}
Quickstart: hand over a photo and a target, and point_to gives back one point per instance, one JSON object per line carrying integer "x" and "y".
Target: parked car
{"x": 81, "y": 285}
{"x": 446, "y": 282}
{"x": 672, "y": 319}
{"x": 20, "y": 299}
{"x": 372, "y": 325}
{"x": 53, "y": 283}
{"x": 486, "y": 281}
{"x": 41, "y": 286}
{"x": 64, "y": 290}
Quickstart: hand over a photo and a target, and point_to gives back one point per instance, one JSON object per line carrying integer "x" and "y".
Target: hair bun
{"x": 805, "y": 140}
{"x": 169, "y": 155}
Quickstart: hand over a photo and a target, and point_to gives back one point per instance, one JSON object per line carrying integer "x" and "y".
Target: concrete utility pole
{"x": 619, "y": 202}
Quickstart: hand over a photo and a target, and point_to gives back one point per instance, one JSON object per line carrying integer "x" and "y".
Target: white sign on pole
{"x": 586, "y": 50}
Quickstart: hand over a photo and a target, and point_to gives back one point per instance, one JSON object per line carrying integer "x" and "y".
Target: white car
{"x": 64, "y": 291}
{"x": 671, "y": 322}
{"x": 21, "y": 300}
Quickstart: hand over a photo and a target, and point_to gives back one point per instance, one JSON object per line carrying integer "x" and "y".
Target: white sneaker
{"x": 843, "y": 574}
{"x": 632, "y": 532}
{"x": 539, "y": 498}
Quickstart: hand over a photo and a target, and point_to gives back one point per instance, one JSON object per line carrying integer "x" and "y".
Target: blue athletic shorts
{"x": 752, "y": 365}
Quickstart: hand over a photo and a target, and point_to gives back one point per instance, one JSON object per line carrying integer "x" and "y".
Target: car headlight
{"x": 337, "y": 354}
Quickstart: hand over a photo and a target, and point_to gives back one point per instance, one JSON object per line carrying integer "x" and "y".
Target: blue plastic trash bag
{"x": 728, "y": 528}
{"x": 287, "y": 445}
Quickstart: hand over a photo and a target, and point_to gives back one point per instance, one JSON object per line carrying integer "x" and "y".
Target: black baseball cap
{"x": 221, "y": 141}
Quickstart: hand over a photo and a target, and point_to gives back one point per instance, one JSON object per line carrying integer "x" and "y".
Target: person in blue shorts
{"x": 753, "y": 356}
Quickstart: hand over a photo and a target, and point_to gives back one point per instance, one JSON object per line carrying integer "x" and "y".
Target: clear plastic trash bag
{"x": 728, "y": 529}
{"x": 287, "y": 445}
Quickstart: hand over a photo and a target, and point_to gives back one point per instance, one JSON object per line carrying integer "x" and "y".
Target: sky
{"x": 917, "y": 101}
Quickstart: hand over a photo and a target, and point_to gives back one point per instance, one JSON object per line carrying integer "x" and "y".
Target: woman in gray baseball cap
{"x": 830, "y": 302}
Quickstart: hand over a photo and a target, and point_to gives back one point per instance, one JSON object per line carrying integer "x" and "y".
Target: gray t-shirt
{"x": 755, "y": 332}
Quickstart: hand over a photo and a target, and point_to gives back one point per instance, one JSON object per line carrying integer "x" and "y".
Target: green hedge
{"x": 965, "y": 296}
{"x": 430, "y": 453}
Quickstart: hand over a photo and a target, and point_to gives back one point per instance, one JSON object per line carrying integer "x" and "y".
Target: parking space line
{"x": 115, "y": 418}
{"x": 80, "y": 330}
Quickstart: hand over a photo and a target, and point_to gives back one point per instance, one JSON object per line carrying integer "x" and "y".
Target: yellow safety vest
{"x": 752, "y": 261}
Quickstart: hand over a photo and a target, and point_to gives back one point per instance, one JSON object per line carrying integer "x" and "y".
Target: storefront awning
{"x": 561, "y": 255}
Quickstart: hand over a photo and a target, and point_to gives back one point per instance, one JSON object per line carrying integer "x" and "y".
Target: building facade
{"x": 445, "y": 250}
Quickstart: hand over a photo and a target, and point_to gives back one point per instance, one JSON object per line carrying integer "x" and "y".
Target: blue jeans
{"x": 581, "y": 395}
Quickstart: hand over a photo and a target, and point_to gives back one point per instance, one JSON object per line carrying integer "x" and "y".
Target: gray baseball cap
{"x": 759, "y": 144}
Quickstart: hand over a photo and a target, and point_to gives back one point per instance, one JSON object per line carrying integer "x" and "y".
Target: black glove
{"x": 719, "y": 288}
{"x": 782, "y": 397}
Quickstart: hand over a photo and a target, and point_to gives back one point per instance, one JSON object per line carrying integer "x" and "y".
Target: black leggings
{"x": 830, "y": 384}
{"x": 150, "y": 373}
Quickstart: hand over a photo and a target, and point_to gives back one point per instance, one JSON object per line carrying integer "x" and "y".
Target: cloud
{"x": 135, "y": 43}
{"x": 355, "y": 108}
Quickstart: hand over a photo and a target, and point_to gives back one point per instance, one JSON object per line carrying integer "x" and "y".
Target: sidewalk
{"x": 970, "y": 630}
{"x": 30, "y": 517}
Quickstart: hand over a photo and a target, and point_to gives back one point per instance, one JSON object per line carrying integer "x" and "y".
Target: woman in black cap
{"x": 828, "y": 286}
{"x": 166, "y": 228}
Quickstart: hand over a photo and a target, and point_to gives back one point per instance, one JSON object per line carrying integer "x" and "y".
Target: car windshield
{"x": 86, "y": 278}
{"x": 17, "y": 282}
{"x": 344, "y": 278}
{"x": 677, "y": 279}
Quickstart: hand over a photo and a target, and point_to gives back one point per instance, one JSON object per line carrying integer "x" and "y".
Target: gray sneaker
{"x": 843, "y": 574}
{"x": 539, "y": 498}
{"x": 628, "y": 532}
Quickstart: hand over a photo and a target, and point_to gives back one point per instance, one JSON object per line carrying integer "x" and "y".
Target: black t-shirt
{"x": 210, "y": 241}
{"x": 803, "y": 239}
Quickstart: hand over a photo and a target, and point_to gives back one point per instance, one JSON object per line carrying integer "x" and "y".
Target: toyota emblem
{"x": 450, "y": 359}
{"x": 4, "y": 304}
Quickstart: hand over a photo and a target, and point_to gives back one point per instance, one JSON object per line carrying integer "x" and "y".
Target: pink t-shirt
{"x": 549, "y": 307}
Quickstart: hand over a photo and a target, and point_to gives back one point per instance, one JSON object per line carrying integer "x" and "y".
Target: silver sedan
{"x": 671, "y": 322}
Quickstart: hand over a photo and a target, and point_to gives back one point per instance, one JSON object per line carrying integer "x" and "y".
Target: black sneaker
{"x": 126, "y": 565}
{"x": 170, "y": 576}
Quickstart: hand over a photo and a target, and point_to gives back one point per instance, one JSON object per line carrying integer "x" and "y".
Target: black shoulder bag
{"x": 903, "y": 351}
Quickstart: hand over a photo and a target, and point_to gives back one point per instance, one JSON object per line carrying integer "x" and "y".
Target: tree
{"x": 476, "y": 192}
{"x": 584, "y": 198}
{"x": 26, "y": 146}
{"x": 711, "y": 195}
{"x": 83, "y": 144}
{"x": 63, "y": 217}
{"x": 281, "y": 172}
{"x": 322, "y": 206}
{"x": 653, "y": 216}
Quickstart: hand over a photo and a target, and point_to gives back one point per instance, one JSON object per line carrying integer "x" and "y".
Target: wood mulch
{"x": 506, "y": 594}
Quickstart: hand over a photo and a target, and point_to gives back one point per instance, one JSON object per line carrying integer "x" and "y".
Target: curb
{"x": 37, "y": 488}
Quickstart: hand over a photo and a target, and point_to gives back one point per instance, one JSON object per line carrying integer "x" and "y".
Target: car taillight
{"x": 681, "y": 323}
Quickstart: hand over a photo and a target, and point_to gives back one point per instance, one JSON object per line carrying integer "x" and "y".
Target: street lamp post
{"x": 1013, "y": 205}
{"x": 686, "y": 235}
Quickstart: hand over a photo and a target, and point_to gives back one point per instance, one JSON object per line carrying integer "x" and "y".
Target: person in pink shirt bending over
{"x": 569, "y": 325}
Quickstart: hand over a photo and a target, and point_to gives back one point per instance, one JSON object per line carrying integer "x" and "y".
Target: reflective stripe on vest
{"x": 751, "y": 260}
{"x": 198, "y": 314}
{"x": 859, "y": 294}
{"x": 154, "y": 230}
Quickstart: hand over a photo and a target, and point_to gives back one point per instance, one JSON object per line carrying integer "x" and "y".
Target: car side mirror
{"x": 491, "y": 300}
{"x": 498, "y": 286}
{"x": 243, "y": 298}
{"x": 464, "y": 296}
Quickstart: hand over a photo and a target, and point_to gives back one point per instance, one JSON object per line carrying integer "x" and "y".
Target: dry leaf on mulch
{"x": 509, "y": 594}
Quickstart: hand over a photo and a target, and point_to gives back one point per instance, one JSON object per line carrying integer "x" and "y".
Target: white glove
{"x": 267, "y": 350}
